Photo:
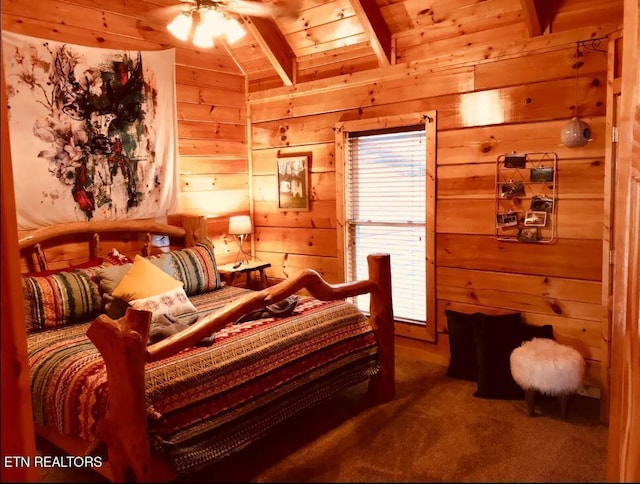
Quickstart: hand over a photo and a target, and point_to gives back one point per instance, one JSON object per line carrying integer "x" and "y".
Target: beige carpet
{"x": 435, "y": 430}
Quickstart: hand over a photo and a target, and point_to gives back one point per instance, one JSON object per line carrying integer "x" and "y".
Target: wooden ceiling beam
{"x": 274, "y": 45}
{"x": 531, "y": 17}
{"x": 376, "y": 29}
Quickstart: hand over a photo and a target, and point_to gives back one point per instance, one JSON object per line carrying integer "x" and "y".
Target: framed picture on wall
{"x": 534, "y": 218}
{"x": 508, "y": 219}
{"x": 293, "y": 183}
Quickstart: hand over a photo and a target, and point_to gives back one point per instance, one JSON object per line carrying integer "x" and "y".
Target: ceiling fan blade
{"x": 165, "y": 14}
{"x": 259, "y": 9}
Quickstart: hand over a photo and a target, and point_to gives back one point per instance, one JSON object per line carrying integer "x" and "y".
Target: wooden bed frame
{"x": 122, "y": 343}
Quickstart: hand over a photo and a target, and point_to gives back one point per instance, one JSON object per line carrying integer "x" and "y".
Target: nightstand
{"x": 229, "y": 272}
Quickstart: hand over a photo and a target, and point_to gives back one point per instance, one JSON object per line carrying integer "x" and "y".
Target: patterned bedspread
{"x": 207, "y": 402}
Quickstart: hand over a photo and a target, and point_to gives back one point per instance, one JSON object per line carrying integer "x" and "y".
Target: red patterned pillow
{"x": 115, "y": 258}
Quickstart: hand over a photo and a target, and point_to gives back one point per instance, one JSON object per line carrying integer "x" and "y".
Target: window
{"x": 387, "y": 209}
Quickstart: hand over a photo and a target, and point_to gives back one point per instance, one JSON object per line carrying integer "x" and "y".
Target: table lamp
{"x": 240, "y": 226}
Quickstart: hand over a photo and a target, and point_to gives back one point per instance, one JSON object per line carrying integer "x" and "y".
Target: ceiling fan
{"x": 199, "y": 21}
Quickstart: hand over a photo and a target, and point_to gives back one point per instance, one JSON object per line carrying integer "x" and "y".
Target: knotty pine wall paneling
{"x": 211, "y": 101}
{"x": 516, "y": 98}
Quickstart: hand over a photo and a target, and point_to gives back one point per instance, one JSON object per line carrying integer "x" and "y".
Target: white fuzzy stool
{"x": 545, "y": 366}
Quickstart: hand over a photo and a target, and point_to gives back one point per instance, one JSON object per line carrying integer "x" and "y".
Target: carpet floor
{"x": 435, "y": 430}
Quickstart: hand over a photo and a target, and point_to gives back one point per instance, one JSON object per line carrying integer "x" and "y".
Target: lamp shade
{"x": 202, "y": 22}
{"x": 240, "y": 225}
{"x": 181, "y": 26}
{"x": 202, "y": 37}
{"x": 233, "y": 30}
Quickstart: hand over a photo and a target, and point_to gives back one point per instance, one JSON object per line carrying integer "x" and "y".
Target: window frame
{"x": 427, "y": 118}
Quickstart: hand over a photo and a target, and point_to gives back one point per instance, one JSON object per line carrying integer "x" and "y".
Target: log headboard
{"x": 64, "y": 245}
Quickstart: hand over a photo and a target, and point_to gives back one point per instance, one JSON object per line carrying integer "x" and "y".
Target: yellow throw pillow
{"x": 144, "y": 279}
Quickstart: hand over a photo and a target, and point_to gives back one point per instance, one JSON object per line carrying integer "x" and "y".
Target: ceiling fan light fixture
{"x": 180, "y": 26}
{"x": 202, "y": 21}
{"x": 213, "y": 20}
{"x": 233, "y": 30}
{"x": 203, "y": 37}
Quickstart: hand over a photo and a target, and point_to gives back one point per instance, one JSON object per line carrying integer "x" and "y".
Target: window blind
{"x": 385, "y": 195}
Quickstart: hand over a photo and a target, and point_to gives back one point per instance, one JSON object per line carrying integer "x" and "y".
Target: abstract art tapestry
{"x": 93, "y": 132}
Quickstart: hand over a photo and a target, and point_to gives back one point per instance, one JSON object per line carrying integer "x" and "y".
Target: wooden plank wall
{"x": 486, "y": 106}
{"x": 211, "y": 98}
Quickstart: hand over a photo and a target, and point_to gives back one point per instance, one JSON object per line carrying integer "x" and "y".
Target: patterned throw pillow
{"x": 115, "y": 258}
{"x": 196, "y": 268}
{"x": 172, "y": 303}
{"x": 59, "y": 299}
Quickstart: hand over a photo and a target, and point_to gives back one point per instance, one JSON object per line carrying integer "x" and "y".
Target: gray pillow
{"x": 109, "y": 277}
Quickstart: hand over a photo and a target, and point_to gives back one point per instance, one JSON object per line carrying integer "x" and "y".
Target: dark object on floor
{"x": 463, "y": 361}
{"x": 465, "y": 357}
{"x": 496, "y": 338}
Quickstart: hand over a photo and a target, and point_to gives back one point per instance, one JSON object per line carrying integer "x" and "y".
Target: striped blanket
{"x": 207, "y": 402}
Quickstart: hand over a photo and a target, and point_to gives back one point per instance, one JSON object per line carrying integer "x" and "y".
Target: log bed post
{"x": 382, "y": 385}
{"x": 123, "y": 345}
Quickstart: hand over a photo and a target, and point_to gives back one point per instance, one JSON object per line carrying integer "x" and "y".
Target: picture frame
{"x": 515, "y": 161}
{"x": 535, "y": 218}
{"x": 541, "y": 174}
{"x": 512, "y": 189}
{"x": 508, "y": 219}
{"x": 529, "y": 234}
{"x": 293, "y": 183}
{"x": 541, "y": 202}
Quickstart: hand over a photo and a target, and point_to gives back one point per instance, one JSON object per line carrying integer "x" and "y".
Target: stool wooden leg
{"x": 530, "y": 397}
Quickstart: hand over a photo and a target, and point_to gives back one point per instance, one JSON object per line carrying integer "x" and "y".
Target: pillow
{"x": 115, "y": 258}
{"x": 164, "y": 262}
{"x": 65, "y": 298}
{"x": 463, "y": 361}
{"x": 496, "y": 337}
{"x": 109, "y": 277}
{"x": 172, "y": 303}
{"x": 144, "y": 279}
{"x": 196, "y": 268}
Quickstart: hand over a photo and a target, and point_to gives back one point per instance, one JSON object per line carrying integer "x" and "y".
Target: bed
{"x": 151, "y": 411}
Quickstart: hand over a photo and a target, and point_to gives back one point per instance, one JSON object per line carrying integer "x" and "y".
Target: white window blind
{"x": 385, "y": 195}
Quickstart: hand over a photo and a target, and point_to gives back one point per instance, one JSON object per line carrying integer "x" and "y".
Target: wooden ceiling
{"x": 328, "y": 38}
